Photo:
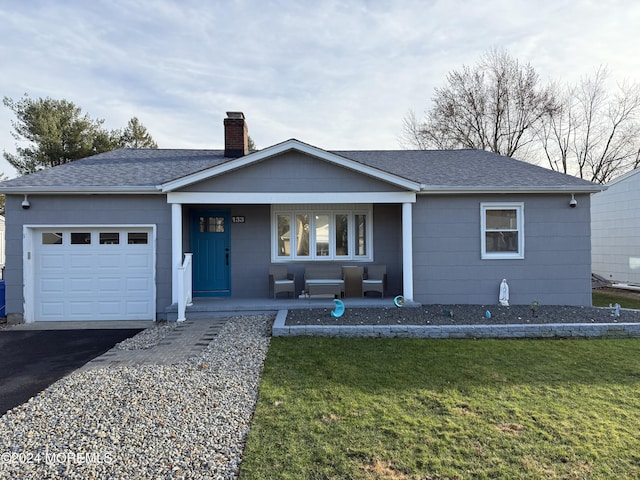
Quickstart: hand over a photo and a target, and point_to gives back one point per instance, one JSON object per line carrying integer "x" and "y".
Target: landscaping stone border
{"x": 548, "y": 330}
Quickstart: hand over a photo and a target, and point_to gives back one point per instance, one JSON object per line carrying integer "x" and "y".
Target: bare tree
{"x": 496, "y": 105}
{"x": 412, "y": 133}
{"x": 594, "y": 135}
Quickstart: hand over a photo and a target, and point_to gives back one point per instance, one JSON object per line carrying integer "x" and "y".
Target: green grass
{"x": 609, "y": 297}
{"x": 459, "y": 409}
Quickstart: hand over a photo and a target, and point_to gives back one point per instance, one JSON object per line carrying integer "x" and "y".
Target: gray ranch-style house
{"x": 109, "y": 236}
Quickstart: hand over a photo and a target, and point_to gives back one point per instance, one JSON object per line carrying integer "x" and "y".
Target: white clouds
{"x": 331, "y": 73}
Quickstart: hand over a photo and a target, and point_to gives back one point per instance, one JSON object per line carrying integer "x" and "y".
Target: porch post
{"x": 407, "y": 252}
{"x": 176, "y": 248}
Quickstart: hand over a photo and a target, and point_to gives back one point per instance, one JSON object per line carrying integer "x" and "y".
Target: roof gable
{"x": 291, "y": 171}
{"x": 284, "y": 147}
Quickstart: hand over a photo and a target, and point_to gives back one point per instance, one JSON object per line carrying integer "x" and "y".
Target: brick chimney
{"x": 236, "y": 135}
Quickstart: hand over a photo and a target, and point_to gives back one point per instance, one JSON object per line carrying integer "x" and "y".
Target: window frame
{"x": 291, "y": 211}
{"x": 519, "y": 209}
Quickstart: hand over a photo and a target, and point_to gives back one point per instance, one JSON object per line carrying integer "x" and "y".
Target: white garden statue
{"x": 504, "y": 293}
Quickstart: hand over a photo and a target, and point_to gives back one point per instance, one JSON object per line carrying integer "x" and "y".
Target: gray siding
{"x": 292, "y": 172}
{"x": 87, "y": 210}
{"x": 251, "y": 251}
{"x": 446, "y": 241}
{"x": 387, "y": 241}
{"x": 447, "y": 264}
{"x": 250, "y": 241}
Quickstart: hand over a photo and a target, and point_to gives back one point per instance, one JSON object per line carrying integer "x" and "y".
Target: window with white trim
{"x": 502, "y": 230}
{"x": 321, "y": 232}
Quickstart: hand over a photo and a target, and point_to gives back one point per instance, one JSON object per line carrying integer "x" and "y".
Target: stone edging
{"x": 548, "y": 330}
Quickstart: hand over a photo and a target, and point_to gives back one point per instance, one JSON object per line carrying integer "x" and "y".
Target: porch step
{"x": 204, "y": 312}
{"x": 217, "y": 307}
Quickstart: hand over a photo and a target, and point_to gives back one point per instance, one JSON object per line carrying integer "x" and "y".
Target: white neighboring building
{"x": 615, "y": 230}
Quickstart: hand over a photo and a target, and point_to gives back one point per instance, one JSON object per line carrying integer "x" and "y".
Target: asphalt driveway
{"x": 30, "y": 361}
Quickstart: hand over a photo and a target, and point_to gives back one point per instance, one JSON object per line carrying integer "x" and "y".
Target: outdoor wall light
{"x": 573, "y": 203}
{"x": 25, "y": 203}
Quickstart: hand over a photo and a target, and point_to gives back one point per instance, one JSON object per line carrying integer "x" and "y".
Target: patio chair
{"x": 281, "y": 281}
{"x": 375, "y": 280}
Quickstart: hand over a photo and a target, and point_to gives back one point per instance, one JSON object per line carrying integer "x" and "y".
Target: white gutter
{"x": 80, "y": 190}
{"x": 448, "y": 190}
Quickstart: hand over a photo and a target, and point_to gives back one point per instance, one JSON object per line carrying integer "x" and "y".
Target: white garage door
{"x": 94, "y": 274}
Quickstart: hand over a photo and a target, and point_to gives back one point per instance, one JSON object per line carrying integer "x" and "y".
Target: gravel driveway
{"x": 188, "y": 420}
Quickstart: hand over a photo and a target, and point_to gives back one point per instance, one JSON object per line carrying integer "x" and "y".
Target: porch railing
{"x": 185, "y": 286}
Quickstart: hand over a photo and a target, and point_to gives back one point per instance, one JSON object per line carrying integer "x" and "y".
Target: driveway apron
{"x": 30, "y": 361}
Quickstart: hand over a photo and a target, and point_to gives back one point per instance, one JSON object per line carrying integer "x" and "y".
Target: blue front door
{"x": 210, "y": 235}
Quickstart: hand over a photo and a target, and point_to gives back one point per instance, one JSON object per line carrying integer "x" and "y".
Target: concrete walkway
{"x": 188, "y": 339}
{"x": 93, "y": 325}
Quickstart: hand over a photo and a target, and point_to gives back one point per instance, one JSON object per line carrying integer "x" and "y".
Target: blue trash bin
{"x": 2, "y": 299}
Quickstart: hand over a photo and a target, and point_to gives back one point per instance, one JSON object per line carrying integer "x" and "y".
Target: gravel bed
{"x": 461, "y": 315}
{"x": 148, "y": 338}
{"x": 188, "y": 420}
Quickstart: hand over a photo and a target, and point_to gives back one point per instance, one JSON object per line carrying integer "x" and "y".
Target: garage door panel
{"x": 138, "y": 260}
{"x": 79, "y": 286}
{"x": 109, "y": 261}
{"x": 51, "y": 285}
{"x": 75, "y": 281}
{"x": 136, "y": 308}
{"x": 52, "y": 262}
{"x": 113, "y": 308}
{"x": 138, "y": 284}
{"x": 52, "y": 309}
{"x": 81, "y": 261}
{"x": 80, "y": 308}
{"x": 109, "y": 285}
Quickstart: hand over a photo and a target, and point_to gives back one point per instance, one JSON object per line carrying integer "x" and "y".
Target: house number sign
{"x": 237, "y": 219}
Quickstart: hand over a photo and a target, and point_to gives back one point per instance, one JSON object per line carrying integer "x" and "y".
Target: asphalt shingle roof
{"x": 462, "y": 168}
{"x": 124, "y": 167}
{"x": 146, "y": 168}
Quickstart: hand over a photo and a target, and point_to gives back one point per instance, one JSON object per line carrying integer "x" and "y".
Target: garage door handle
{"x": 226, "y": 257}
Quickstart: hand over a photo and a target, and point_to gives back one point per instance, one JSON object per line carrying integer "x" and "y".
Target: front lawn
{"x": 339, "y": 408}
{"x": 610, "y": 296}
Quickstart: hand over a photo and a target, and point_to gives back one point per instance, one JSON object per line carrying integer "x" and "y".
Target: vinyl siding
{"x": 292, "y": 172}
{"x": 447, "y": 264}
{"x": 87, "y": 210}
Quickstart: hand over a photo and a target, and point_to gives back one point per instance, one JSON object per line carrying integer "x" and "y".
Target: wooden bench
{"x": 324, "y": 280}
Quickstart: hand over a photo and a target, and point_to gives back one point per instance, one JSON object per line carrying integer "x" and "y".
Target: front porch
{"x": 213, "y": 307}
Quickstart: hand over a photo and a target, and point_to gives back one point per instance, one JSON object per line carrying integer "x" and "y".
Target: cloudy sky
{"x": 335, "y": 74}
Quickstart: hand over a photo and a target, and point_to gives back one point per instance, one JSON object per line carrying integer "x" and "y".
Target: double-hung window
{"x": 502, "y": 230}
{"x": 321, "y": 232}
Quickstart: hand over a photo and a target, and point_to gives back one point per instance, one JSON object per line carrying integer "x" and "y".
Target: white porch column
{"x": 176, "y": 248}
{"x": 407, "y": 251}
